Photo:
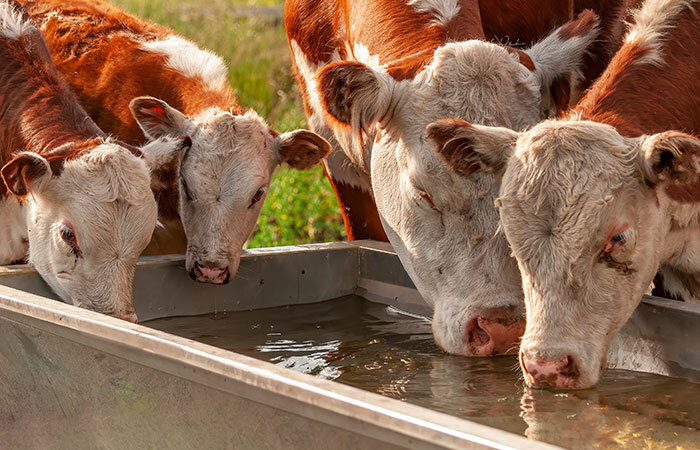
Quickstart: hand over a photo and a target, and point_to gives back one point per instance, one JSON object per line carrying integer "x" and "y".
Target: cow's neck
{"x": 639, "y": 91}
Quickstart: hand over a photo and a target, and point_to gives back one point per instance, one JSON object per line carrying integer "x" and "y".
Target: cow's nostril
{"x": 478, "y": 337}
{"x": 495, "y": 332}
{"x": 568, "y": 367}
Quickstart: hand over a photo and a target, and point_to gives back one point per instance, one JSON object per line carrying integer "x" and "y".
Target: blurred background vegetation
{"x": 249, "y": 35}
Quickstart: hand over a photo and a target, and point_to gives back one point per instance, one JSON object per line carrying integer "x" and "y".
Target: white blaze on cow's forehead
{"x": 651, "y": 25}
{"x": 13, "y": 230}
{"x": 482, "y": 83}
{"x": 230, "y": 156}
{"x": 191, "y": 61}
{"x": 443, "y": 10}
{"x": 12, "y": 24}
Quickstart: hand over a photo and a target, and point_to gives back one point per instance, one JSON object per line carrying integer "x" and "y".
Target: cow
{"x": 595, "y": 203}
{"x": 318, "y": 27}
{"x": 373, "y": 76}
{"x": 89, "y": 207}
{"x": 140, "y": 80}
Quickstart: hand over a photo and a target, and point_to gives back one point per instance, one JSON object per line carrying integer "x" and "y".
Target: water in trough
{"x": 379, "y": 349}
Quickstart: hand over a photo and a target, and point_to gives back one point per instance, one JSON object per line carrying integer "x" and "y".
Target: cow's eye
{"x": 618, "y": 240}
{"x": 65, "y": 230}
{"x": 256, "y": 198}
{"x": 425, "y": 196}
{"x": 619, "y": 237}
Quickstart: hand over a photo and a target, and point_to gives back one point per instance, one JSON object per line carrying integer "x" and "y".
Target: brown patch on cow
{"x": 622, "y": 267}
{"x": 40, "y": 113}
{"x": 560, "y": 90}
{"x": 524, "y": 58}
{"x": 523, "y": 22}
{"x": 410, "y": 66}
{"x": 359, "y": 212}
{"x": 59, "y": 156}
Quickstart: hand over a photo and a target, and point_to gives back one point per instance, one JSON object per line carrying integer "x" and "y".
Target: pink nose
{"x": 496, "y": 332}
{"x": 210, "y": 273}
{"x": 559, "y": 372}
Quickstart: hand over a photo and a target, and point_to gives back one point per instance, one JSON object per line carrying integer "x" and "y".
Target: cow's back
{"x": 653, "y": 82}
{"x": 104, "y": 54}
{"x": 100, "y": 50}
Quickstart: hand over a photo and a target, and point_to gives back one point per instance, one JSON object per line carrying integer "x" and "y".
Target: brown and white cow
{"x": 374, "y": 75}
{"x": 320, "y": 28}
{"x": 596, "y": 203}
{"x": 215, "y": 189}
{"x": 91, "y": 211}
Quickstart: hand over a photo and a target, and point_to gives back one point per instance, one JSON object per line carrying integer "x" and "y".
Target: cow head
{"x": 590, "y": 216}
{"x": 223, "y": 177}
{"x": 444, "y": 226}
{"x": 91, "y": 214}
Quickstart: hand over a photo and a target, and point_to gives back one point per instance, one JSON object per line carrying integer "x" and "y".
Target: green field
{"x": 249, "y": 35}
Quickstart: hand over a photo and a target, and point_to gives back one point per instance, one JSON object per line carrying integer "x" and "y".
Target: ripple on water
{"x": 376, "y": 348}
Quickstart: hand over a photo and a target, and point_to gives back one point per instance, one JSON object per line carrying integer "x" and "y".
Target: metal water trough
{"x": 71, "y": 377}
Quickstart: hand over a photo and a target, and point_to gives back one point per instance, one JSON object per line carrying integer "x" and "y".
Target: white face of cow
{"x": 590, "y": 216}
{"x": 444, "y": 226}
{"x": 88, "y": 222}
{"x": 223, "y": 177}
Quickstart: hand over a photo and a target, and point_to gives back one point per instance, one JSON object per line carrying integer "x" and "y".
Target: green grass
{"x": 300, "y": 207}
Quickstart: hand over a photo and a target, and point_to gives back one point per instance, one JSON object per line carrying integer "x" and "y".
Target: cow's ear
{"x": 672, "y": 160}
{"x": 157, "y": 119}
{"x": 26, "y": 172}
{"x": 471, "y": 148}
{"x": 163, "y": 157}
{"x": 163, "y": 151}
{"x": 558, "y": 58}
{"x": 354, "y": 94}
{"x": 302, "y": 149}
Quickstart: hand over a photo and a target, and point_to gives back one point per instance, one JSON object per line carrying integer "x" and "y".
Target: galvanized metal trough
{"x": 72, "y": 377}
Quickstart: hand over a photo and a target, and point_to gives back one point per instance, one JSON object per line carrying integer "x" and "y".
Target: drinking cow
{"x": 116, "y": 63}
{"x": 91, "y": 209}
{"x": 385, "y": 71}
{"x": 596, "y": 203}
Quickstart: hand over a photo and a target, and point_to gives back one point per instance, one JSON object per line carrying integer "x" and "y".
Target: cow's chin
{"x": 204, "y": 267}
{"x": 548, "y": 363}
